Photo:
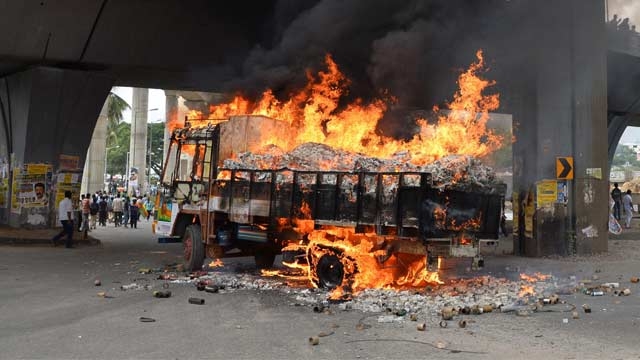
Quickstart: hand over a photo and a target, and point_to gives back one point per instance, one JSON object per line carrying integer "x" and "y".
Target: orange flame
{"x": 314, "y": 114}
{"x": 526, "y": 289}
{"x": 216, "y": 263}
{"x": 360, "y": 255}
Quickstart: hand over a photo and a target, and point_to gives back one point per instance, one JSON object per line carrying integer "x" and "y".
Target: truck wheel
{"x": 193, "y": 248}
{"x": 329, "y": 271}
{"x": 264, "y": 259}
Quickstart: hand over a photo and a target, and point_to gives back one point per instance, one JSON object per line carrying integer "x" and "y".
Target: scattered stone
{"x": 575, "y": 315}
{"x": 635, "y": 279}
{"x": 162, "y": 294}
{"x": 196, "y": 301}
{"x": 462, "y": 324}
{"x": 586, "y": 308}
{"x": 421, "y": 327}
{"x": 314, "y": 340}
{"x": 97, "y": 282}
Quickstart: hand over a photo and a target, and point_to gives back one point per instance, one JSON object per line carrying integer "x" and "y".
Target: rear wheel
{"x": 329, "y": 271}
{"x": 193, "y": 248}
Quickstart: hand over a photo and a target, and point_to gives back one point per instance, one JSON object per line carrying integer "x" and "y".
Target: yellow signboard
{"x": 546, "y": 192}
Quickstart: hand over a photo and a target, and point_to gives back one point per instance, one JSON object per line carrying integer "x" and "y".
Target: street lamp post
{"x": 106, "y": 162}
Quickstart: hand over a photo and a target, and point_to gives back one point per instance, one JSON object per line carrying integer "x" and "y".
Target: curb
{"x": 34, "y": 241}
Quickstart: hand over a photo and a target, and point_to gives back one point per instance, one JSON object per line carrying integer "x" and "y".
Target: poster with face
{"x": 133, "y": 178}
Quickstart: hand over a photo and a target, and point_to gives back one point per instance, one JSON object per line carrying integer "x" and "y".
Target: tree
{"x": 625, "y": 157}
{"x": 115, "y": 109}
{"x": 155, "y": 143}
{"x": 117, "y": 155}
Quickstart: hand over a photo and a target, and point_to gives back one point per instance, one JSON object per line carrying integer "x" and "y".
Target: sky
{"x": 156, "y": 101}
{"x": 625, "y": 8}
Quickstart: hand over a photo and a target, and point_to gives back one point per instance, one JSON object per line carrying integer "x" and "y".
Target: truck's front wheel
{"x": 193, "y": 248}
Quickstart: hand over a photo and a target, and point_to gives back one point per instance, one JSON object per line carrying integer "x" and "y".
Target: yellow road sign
{"x": 564, "y": 167}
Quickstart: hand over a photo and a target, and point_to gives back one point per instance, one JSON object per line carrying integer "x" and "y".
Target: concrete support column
{"x": 138, "y": 144}
{"x": 563, "y": 113}
{"x": 95, "y": 166}
{"x": 49, "y": 112}
{"x": 171, "y": 116}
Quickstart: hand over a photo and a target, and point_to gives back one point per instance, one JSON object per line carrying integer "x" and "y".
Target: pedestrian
{"x": 148, "y": 205}
{"x": 134, "y": 213}
{"x": 125, "y": 211}
{"x": 110, "y": 215}
{"x": 93, "y": 212}
{"x": 118, "y": 207}
{"x": 65, "y": 209}
{"x": 102, "y": 211}
{"x": 616, "y": 195}
{"x": 627, "y": 202}
{"x": 85, "y": 207}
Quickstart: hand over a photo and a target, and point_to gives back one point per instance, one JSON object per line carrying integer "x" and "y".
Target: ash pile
{"x": 465, "y": 296}
{"x": 456, "y": 172}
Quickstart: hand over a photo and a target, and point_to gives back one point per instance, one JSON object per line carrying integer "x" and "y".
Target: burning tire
{"x": 193, "y": 248}
{"x": 329, "y": 271}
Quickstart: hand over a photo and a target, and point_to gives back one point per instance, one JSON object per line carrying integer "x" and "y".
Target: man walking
{"x": 86, "y": 212}
{"x": 628, "y": 209}
{"x": 117, "y": 210}
{"x": 65, "y": 209}
{"x": 134, "y": 213}
{"x": 616, "y": 195}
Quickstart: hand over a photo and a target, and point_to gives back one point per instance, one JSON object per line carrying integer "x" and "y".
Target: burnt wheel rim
{"x": 330, "y": 271}
{"x": 188, "y": 246}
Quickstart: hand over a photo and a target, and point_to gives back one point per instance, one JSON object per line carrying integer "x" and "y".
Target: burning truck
{"x": 349, "y": 217}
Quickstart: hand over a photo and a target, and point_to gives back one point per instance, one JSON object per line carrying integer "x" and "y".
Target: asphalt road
{"x": 50, "y": 309}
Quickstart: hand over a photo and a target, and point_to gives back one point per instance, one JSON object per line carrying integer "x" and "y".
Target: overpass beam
{"x": 562, "y": 113}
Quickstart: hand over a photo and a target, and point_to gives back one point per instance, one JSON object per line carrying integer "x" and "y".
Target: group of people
{"x": 121, "y": 210}
{"x": 622, "y": 202}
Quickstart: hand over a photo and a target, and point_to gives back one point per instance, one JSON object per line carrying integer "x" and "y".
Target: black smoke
{"x": 415, "y": 49}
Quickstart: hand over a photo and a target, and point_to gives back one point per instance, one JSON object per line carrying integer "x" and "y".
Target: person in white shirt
{"x": 118, "y": 206}
{"x": 65, "y": 209}
{"x": 627, "y": 203}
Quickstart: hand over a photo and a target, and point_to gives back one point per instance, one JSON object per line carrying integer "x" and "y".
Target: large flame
{"x": 314, "y": 114}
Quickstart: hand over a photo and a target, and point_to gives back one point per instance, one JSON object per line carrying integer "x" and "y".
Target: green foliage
{"x": 625, "y": 157}
{"x": 155, "y": 142}
{"x": 115, "y": 108}
{"x": 117, "y": 153}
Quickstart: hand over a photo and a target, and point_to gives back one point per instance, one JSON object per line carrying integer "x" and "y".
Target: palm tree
{"x": 103, "y": 140}
{"x": 115, "y": 108}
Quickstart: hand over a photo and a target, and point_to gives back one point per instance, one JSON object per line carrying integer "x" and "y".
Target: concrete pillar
{"x": 563, "y": 113}
{"x": 49, "y": 112}
{"x": 95, "y": 166}
{"x": 171, "y": 110}
{"x": 138, "y": 145}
